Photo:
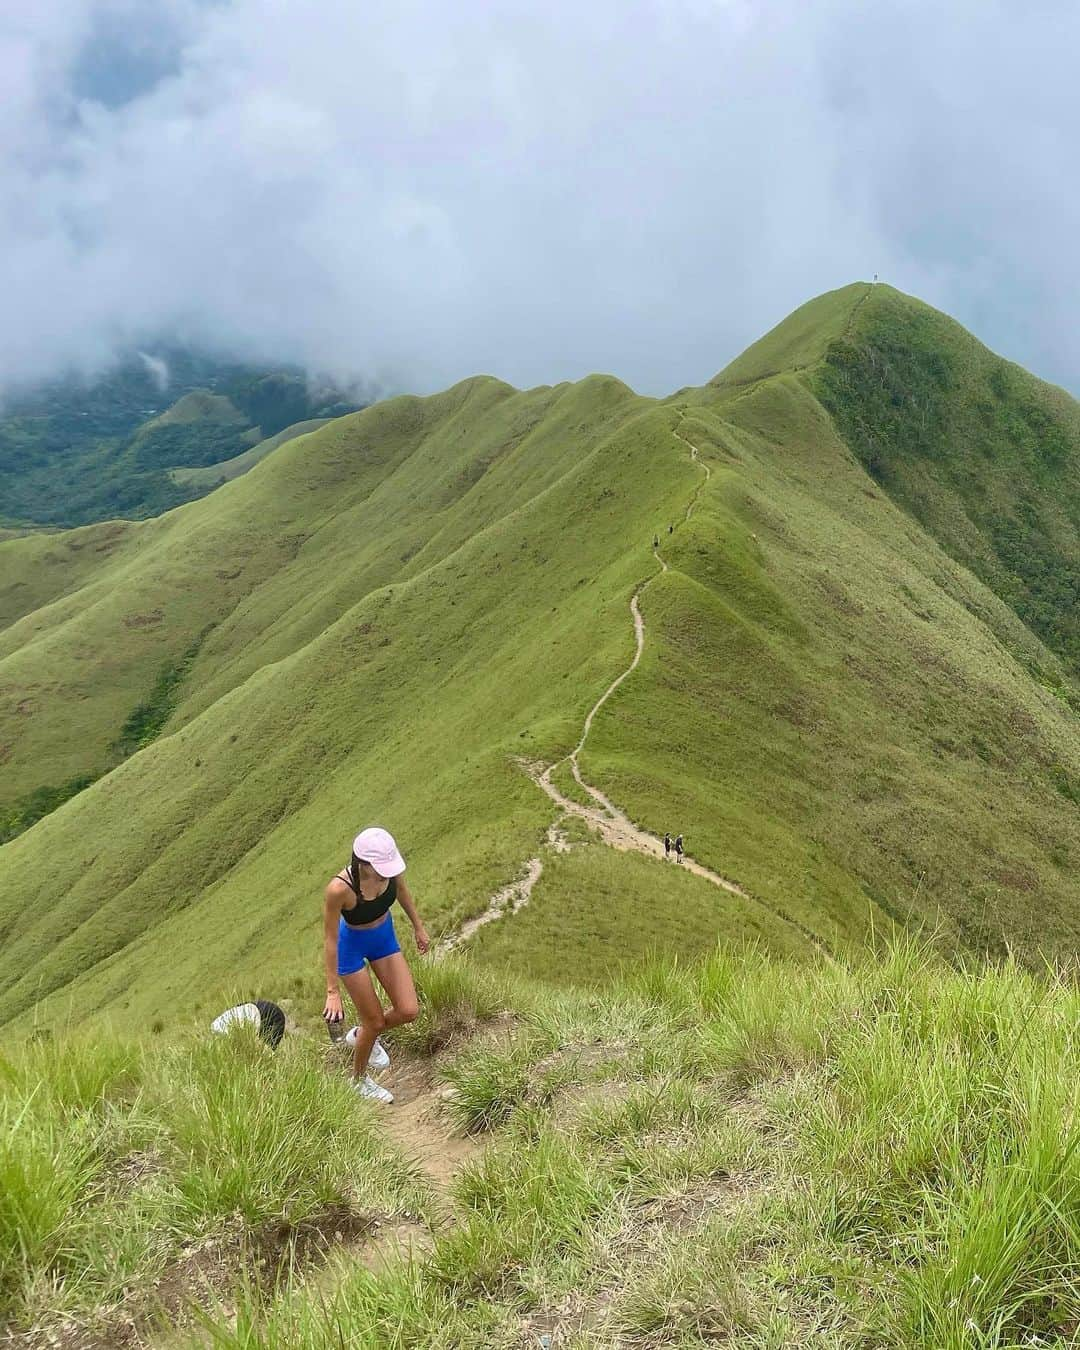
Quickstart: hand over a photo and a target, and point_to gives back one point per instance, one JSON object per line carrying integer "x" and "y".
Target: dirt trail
{"x": 601, "y": 800}
{"x": 616, "y": 828}
{"x": 512, "y": 897}
{"x": 414, "y": 1124}
{"x": 613, "y": 825}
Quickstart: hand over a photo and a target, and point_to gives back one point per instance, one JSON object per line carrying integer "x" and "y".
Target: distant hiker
{"x": 667, "y": 846}
{"x": 656, "y": 541}
{"x": 678, "y": 848}
{"x": 357, "y": 928}
{"x": 671, "y": 529}
{"x": 267, "y": 1019}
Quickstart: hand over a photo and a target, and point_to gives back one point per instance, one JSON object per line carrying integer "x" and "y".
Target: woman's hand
{"x": 333, "y": 1010}
{"x": 423, "y": 942}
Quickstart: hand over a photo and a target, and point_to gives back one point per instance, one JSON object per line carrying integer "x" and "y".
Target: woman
{"x": 358, "y": 927}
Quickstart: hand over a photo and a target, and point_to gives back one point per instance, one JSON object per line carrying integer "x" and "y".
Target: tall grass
{"x": 114, "y": 1160}
{"x": 881, "y": 1154}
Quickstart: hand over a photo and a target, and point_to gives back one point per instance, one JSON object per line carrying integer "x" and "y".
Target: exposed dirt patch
{"x": 508, "y": 900}
{"x": 144, "y": 620}
{"x": 393, "y": 1241}
{"x": 798, "y": 711}
{"x": 722, "y": 1194}
{"x": 415, "y": 1125}
{"x": 68, "y": 1337}
{"x": 838, "y": 597}
{"x": 203, "y": 1272}
{"x": 278, "y": 1246}
{"x": 573, "y": 1101}
{"x": 1017, "y": 878}
{"x": 134, "y": 1169}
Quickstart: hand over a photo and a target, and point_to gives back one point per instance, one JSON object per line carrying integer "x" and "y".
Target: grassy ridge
{"x": 832, "y": 711}
{"x": 885, "y": 1153}
{"x": 258, "y": 794}
{"x": 272, "y": 559}
{"x": 211, "y": 475}
{"x": 835, "y": 712}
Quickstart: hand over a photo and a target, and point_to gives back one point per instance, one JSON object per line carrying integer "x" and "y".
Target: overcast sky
{"x": 418, "y": 190}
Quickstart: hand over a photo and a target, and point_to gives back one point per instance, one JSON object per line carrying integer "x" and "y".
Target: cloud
{"x": 157, "y": 368}
{"x": 419, "y": 191}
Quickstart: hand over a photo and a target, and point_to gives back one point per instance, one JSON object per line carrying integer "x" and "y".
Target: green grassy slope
{"x": 800, "y": 341}
{"x": 271, "y": 560}
{"x": 408, "y": 705}
{"x": 210, "y": 475}
{"x": 374, "y": 622}
{"x": 845, "y": 711}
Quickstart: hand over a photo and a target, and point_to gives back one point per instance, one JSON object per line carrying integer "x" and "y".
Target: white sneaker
{"x": 367, "y": 1087}
{"x": 378, "y": 1058}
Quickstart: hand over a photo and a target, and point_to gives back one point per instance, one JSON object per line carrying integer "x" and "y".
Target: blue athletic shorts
{"x": 357, "y": 945}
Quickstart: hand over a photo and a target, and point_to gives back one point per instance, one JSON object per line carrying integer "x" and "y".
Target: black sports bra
{"x": 367, "y": 911}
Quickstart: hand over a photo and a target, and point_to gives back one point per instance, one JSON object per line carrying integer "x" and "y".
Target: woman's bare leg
{"x": 369, "y": 1015}
{"x": 394, "y": 975}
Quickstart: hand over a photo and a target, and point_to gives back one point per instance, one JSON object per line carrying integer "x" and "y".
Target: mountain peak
{"x": 801, "y": 339}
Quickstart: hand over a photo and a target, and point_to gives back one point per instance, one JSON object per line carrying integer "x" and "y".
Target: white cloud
{"x": 157, "y": 368}
{"x": 419, "y": 191}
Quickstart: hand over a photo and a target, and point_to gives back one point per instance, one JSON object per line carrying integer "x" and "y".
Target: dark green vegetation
{"x": 20, "y": 814}
{"x": 73, "y": 452}
{"x": 140, "y": 727}
{"x": 839, "y": 714}
{"x": 884, "y": 1153}
{"x": 146, "y": 720}
{"x": 979, "y": 451}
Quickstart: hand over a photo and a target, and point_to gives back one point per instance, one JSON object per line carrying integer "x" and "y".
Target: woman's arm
{"x": 333, "y": 1011}
{"x": 408, "y": 904}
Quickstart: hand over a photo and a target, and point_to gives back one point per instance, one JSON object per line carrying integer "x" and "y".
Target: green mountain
{"x": 855, "y": 699}
{"x": 147, "y": 435}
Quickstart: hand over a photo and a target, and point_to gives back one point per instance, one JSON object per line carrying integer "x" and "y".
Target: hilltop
{"x": 855, "y": 701}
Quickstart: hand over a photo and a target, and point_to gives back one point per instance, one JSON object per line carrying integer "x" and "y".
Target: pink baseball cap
{"x": 376, "y": 846}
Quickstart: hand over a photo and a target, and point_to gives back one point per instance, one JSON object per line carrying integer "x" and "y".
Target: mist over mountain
{"x": 418, "y": 193}
{"x": 125, "y": 443}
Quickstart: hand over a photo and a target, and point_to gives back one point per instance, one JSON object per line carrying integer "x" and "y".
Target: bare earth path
{"x": 415, "y": 1123}
{"x": 613, "y": 825}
